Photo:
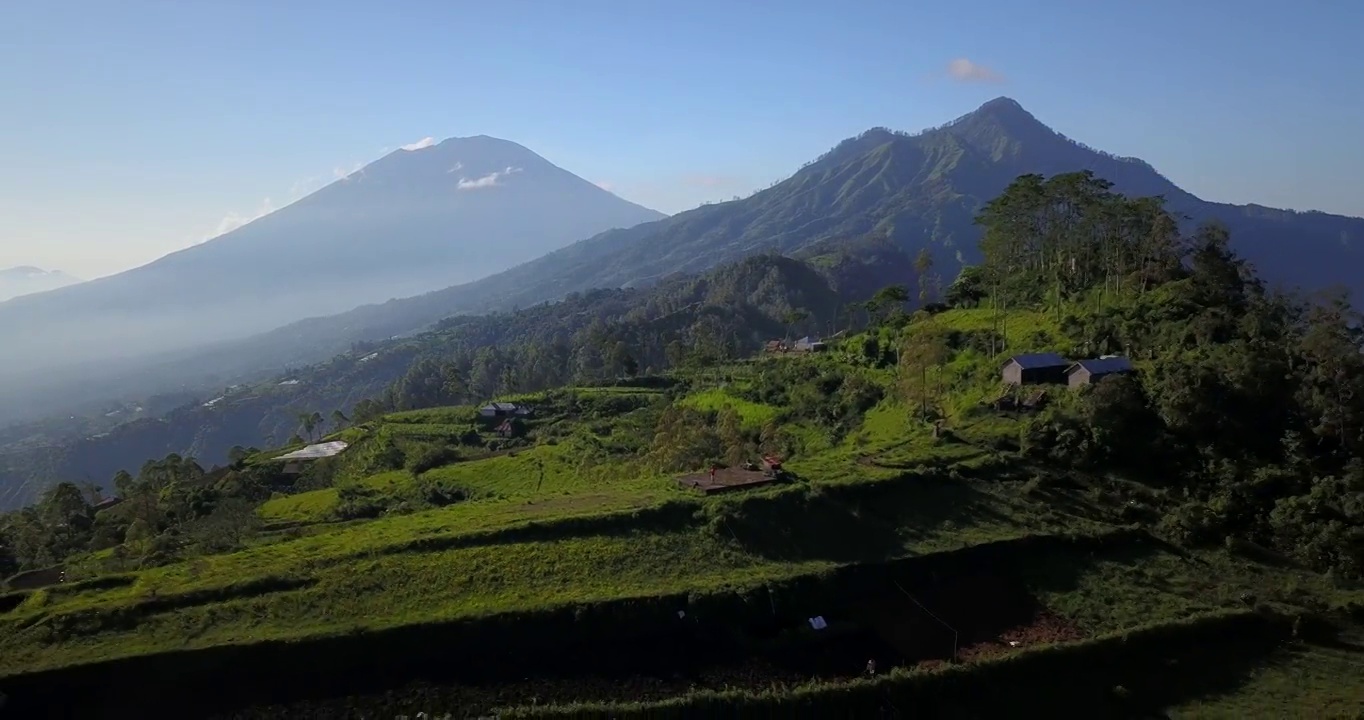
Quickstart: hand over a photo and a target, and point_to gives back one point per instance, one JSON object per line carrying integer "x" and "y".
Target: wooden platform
{"x": 726, "y": 480}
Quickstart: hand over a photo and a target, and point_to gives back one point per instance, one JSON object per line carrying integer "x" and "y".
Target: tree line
{"x": 1250, "y": 403}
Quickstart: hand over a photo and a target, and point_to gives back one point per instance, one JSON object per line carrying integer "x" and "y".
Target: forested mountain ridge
{"x": 919, "y": 191}
{"x": 588, "y": 336}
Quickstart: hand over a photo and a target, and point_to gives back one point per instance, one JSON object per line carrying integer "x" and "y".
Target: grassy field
{"x": 467, "y": 560}
{"x": 575, "y": 516}
{"x": 1299, "y": 681}
{"x": 754, "y": 415}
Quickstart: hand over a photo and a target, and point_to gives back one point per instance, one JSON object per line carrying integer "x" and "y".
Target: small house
{"x": 503, "y": 410}
{"x": 775, "y": 346}
{"x": 1088, "y": 372}
{"x": 1035, "y": 369}
{"x": 809, "y": 344}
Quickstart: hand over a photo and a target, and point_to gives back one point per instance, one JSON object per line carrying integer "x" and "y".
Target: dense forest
{"x": 1250, "y": 406}
{"x": 1246, "y": 407}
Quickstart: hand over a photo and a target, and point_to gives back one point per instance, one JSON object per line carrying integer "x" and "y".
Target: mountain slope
{"x": 748, "y": 302}
{"x": 26, "y": 280}
{"x": 410, "y": 222}
{"x": 919, "y": 190}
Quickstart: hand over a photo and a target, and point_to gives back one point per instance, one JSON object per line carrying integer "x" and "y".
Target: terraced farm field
{"x": 893, "y": 571}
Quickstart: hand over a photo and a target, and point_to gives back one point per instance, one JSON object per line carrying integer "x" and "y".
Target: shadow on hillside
{"x": 1061, "y": 571}
{"x": 1205, "y": 672}
{"x": 1138, "y": 682}
{"x": 861, "y": 522}
{"x": 668, "y": 517}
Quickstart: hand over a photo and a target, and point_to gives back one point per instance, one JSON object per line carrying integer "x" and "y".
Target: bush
{"x": 430, "y": 457}
{"x": 430, "y": 493}
{"x": 1193, "y": 523}
{"x": 357, "y": 501}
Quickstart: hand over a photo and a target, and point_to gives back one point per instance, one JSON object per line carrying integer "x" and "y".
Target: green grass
{"x": 313, "y": 506}
{"x": 575, "y": 518}
{"x": 407, "y": 569}
{"x": 356, "y": 584}
{"x": 547, "y": 471}
{"x": 1132, "y": 587}
{"x": 385, "y": 591}
{"x": 1299, "y": 681}
{"x": 753, "y": 415}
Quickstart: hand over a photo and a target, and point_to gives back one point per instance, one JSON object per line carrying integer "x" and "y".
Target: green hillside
{"x": 727, "y": 312}
{"x": 883, "y": 195}
{"x": 1181, "y": 539}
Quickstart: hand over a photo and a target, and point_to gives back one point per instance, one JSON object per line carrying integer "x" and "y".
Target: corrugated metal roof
{"x": 1032, "y": 361}
{"x": 320, "y": 450}
{"x": 1103, "y": 366}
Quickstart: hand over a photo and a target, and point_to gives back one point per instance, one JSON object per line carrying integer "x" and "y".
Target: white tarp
{"x": 320, "y": 450}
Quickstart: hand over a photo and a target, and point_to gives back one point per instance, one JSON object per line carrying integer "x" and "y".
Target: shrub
{"x": 430, "y": 457}
{"x": 357, "y": 501}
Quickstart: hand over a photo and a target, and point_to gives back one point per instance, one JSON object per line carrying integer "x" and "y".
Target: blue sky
{"x": 136, "y": 128}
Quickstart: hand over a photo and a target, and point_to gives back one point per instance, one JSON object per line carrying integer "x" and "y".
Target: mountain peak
{"x": 1008, "y": 113}
{"x": 1001, "y": 104}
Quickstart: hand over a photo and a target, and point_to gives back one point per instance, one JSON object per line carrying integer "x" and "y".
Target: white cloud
{"x": 341, "y": 173}
{"x": 963, "y": 70}
{"x": 425, "y": 142}
{"x": 458, "y": 166}
{"x": 297, "y": 191}
{"x": 305, "y": 186}
{"x": 490, "y": 180}
{"x": 233, "y": 220}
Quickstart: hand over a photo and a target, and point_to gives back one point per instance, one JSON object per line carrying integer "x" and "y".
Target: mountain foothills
{"x": 863, "y": 209}
{"x": 926, "y": 513}
{"x": 917, "y": 191}
{"x": 410, "y": 222}
{"x": 28, "y": 280}
{"x": 588, "y": 336}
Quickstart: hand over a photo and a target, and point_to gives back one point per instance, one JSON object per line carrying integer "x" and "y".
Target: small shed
{"x": 294, "y": 461}
{"x": 504, "y": 409}
{"x": 809, "y": 344}
{"x": 1035, "y": 369}
{"x": 1088, "y": 372}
